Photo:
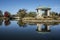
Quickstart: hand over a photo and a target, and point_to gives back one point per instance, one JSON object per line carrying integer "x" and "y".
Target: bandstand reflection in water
{"x": 45, "y": 27}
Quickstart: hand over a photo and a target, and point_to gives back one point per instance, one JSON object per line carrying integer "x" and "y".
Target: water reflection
{"x": 41, "y": 29}
{"x": 28, "y": 30}
{"x": 7, "y": 22}
{"x": 1, "y": 22}
{"x": 45, "y": 27}
{"x": 21, "y": 23}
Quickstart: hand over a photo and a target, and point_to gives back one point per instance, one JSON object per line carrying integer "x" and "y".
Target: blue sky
{"x": 14, "y": 5}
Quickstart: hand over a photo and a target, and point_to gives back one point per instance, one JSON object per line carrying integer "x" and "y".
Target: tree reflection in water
{"x": 21, "y": 23}
{"x": 1, "y": 22}
{"x": 7, "y": 22}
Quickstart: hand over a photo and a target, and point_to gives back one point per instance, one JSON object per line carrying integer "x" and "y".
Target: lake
{"x": 18, "y": 30}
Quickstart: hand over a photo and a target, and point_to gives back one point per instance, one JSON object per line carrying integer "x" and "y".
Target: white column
{"x": 39, "y": 14}
{"x": 48, "y": 27}
{"x": 39, "y": 27}
{"x": 48, "y": 13}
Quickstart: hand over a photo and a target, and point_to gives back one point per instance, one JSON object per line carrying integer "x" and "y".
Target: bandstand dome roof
{"x": 43, "y": 8}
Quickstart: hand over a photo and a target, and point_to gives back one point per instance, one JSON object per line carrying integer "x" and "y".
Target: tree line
{"x": 23, "y": 13}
